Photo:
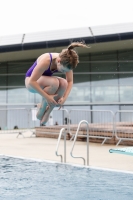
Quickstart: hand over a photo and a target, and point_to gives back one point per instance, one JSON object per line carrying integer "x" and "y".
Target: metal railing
{"x": 101, "y": 123}
{"x": 59, "y": 116}
{"x": 123, "y": 128}
{"x": 15, "y": 120}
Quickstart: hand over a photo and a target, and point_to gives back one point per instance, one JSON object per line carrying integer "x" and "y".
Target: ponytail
{"x": 77, "y": 44}
{"x": 69, "y": 57}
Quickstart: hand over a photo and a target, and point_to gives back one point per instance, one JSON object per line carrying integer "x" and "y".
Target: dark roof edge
{"x": 66, "y": 42}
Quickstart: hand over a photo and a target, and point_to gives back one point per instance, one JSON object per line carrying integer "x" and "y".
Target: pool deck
{"x": 44, "y": 149}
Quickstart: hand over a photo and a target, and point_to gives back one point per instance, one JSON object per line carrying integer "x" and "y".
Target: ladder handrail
{"x": 58, "y": 142}
{"x": 71, "y": 153}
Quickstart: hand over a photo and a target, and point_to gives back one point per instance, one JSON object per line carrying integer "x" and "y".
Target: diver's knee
{"x": 63, "y": 83}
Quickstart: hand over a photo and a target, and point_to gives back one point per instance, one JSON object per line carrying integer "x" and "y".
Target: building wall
{"x": 101, "y": 79}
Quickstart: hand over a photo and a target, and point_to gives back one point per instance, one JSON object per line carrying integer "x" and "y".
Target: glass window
{"x": 104, "y": 67}
{"x": 3, "y": 80}
{"x": 104, "y": 79}
{"x": 96, "y": 79}
{"x": 81, "y": 89}
{"x": 104, "y": 94}
{"x": 125, "y": 67}
{"x": 126, "y": 93}
{"x": 125, "y": 55}
{"x": 82, "y": 67}
{"x": 19, "y": 67}
{"x": 82, "y": 78}
{"x": 104, "y": 62}
{"x": 126, "y": 79}
{"x": 79, "y": 93}
{"x": 3, "y": 68}
{"x": 3, "y": 93}
{"x": 103, "y": 56}
{"x": 84, "y": 57}
{"x": 16, "y": 80}
{"x": 20, "y": 95}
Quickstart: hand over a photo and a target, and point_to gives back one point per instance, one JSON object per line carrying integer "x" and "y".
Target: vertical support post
{"x": 65, "y": 146}
{"x": 28, "y": 111}
{"x": 87, "y": 145}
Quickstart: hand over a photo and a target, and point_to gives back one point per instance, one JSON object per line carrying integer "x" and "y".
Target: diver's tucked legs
{"x": 60, "y": 92}
{"x": 49, "y": 89}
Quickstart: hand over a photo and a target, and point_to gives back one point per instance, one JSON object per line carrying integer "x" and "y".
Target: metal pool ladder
{"x": 75, "y": 137}
{"x": 63, "y": 130}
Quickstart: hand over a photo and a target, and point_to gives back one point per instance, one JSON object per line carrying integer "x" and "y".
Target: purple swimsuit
{"x": 48, "y": 72}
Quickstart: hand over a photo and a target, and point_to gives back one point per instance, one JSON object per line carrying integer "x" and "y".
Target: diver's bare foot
{"x": 38, "y": 105}
{"x": 46, "y": 115}
{"x": 40, "y": 111}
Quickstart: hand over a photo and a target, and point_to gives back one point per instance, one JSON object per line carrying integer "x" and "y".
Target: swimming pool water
{"x": 23, "y": 179}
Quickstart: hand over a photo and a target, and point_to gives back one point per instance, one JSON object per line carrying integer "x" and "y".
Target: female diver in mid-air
{"x": 54, "y": 90}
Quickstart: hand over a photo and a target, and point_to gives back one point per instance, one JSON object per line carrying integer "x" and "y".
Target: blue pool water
{"x": 22, "y": 179}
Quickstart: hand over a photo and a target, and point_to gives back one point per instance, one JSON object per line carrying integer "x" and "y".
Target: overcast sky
{"x": 27, "y": 16}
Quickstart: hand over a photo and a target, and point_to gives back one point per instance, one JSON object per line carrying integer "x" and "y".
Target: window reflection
{"x": 3, "y": 81}
{"x": 126, "y": 93}
{"x": 105, "y": 94}
{"x": 18, "y": 80}
{"x": 104, "y": 79}
{"x": 20, "y": 95}
{"x": 126, "y": 79}
{"x": 3, "y": 95}
{"x": 104, "y": 67}
{"x": 80, "y": 92}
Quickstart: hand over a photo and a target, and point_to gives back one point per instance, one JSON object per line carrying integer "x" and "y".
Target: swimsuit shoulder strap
{"x": 50, "y": 59}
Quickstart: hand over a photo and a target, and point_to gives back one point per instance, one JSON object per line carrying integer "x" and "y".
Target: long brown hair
{"x": 69, "y": 57}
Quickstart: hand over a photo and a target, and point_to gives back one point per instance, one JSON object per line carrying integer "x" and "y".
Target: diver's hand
{"x": 60, "y": 102}
{"x": 51, "y": 101}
